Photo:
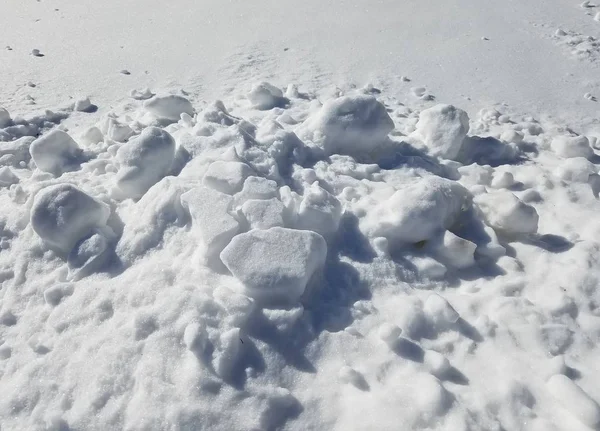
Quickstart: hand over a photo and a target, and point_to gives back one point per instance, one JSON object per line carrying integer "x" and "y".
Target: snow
{"x": 268, "y": 220}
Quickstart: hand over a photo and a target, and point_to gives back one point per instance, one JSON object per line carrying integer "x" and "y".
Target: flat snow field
{"x": 318, "y": 215}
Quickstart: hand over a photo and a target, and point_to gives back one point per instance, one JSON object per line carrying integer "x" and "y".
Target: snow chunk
{"x": 265, "y": 96}
{"x": 574, "y": 399}
{"x": 92, "y": 136}
{"x": 54, "y": 294}
{"x": 415, "y": 212}
{"x": 275, "y": 264}
{"x": 389, "y": 333}
{"x": 228, "y": 353}
{"x": 504, "y": 211}
{"x": 143, "y": 94}
{"x": 443, "y": 129}
{"x": 257, "y": 188}
{"x": 169, "y": 107}
{"x": 227, "y": 177}
{"x": 353, "y": 377}
{"x": 144, "y": 161}
{"x": 83, "y": 105}
{"x": 88, "y": 255}
{"x": 319, "y": 211}
{"x": 195, "y": 337}
{"x": 7, "y": 177}
{"x": 572, "y": 146}
{"x": 55, "y": 152}
{"x": 436, "y": 363}
{"x": 349, "y": 125}
{"x": 576, "y": 169}
{"x": 62, "y": 214}
{"x": 16, "y": 153}
{"x": 263, "y": 214}
{"x": 5, "y": 119}
{"x": 503, "y": 180}
{"x": 440, "y": 312}
{"x": 456, "y": 251}
{"x": 209, "y": 210}
{"x": 118, "y": 131}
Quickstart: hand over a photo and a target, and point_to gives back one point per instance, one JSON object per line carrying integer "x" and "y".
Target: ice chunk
{"x": 349, "y": 125}
{"x": 209, "y": 210}
{"x": 62, "y": 214}
{"x": 319, "y": 211}
{"x": 275, "y": 264}
{"x": 227, "y": 177}
{"x": 443, "y": 129}
{"x": 144, "y": 160}
{"x": 440, "y": 312}
{"x": 574, "y": 399}
{"x": 266, "y": 96}
{"x": 417, "y": 211}
{"x": 576, "y": 169}
{"x": 263, "y": 214}
{"x": 7, "y": 177}
{"x": 55, "y": 152}
{"x": 456, "y": 251}
{"x": 169, "y": 107}
{"x": 505, "y": 212}
{"x": 5, "y": 119}
{"x": 572, "y": 146}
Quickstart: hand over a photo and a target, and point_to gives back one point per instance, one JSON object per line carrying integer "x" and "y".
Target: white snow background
{"x": 315, "y": 215}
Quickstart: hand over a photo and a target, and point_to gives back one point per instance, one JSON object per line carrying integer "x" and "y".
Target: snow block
{"x": 265, "y": 96}
{"x": 572, "y": 146}
{"x": 62, "y": 214}
{"x": 7, "y": 177}
{"x": 443, "y": 129}
{"x": 505, "y": 212}
{"x": 144, "y": 160}
{"x": 574, "y": 399}
{"x": 349, "y": 125}
{"x": 439, "y": 312}
{"x": 275, "y": 264}
{"x": 169, "y": 107}
{"x": 55, "y": 152}
{"x": 257, "y": 188}
{"x": 263, "y": 214}
{"x": 319, "y": 211}
{"x": 227, "y": 177}
{"x": 416, "y": 212}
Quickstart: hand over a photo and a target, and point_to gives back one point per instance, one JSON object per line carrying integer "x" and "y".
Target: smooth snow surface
{"x": 368, "y": 215}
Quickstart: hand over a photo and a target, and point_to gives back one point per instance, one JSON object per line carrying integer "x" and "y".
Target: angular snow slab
{"x": 169, "y": 107}
{"x": 263, "y": 214}
{"x": 63, "y": 214}
{"x": 144, "y": 160}
{"x": 55, "y": 152}
{"x": 275, "y": 264}
{"x": 209, "y": 210}
{"x": 442, "y": 129}
{"x": 349, "y": 125}
{"x": 227, "y": 177}
{"x": 505, "y": 212}
{"x": 416, "y": 212}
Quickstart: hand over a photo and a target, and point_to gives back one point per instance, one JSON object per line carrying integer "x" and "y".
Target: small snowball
{"x": 54, "y": 294}
{"x": 263, "y": 214}
{"x": 440, "y": 312}
{"x": 572, "y": 146}
{"x": 417, "y": 211}
{"x": 503, "y": 180}
{"x": 227, "y": 177}
{"x": 62, "y": 214}
{"x": 144, "y": 161}
{"x": 349, "y": 125}
{"x": 319, "y": 211}
{"x": 505, "y": 212}
{"x": 389, "y": 333}
{"x": 55, "y": 152}
{"x": 92, "y": 136}
{"x": 5, "y": 119}
{"x": 574, "y": 399}
{"x": 576, "y": 169}
{"x": 436, "y": 363}
{"x": 351, "y": 376}
{"x": 512, "y": 136}
{"x": 275, "y": 264}
{"x": 169, "y": 107}
{"x": 560, "y": 32}
{"x": 83, "y": 105}
{"x": 456, "y": 251}
{"x": 443, "y": 129}
{"x": 265, "y": 96}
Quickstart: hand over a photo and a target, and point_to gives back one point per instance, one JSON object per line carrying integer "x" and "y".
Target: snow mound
{"x": 275, "y": 265}
{"x": 144, "y": 161}
{"x": 55, "y": 152}
{"x": 443, "y": 129}
{"x": 169, "y": 107}
{"x": 62, "y": 214}
{"x": 572, "y": 146}
{"x": 506, "y": 213}
{"x": 417, "y": 211}
{"x": 348, "y": 125}
{"x": 227, "y": 177}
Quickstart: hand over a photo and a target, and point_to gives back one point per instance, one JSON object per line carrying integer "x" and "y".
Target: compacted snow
{"x": 296, "y": 253}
